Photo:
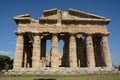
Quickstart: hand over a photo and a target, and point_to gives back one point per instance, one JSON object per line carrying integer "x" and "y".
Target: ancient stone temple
{"x": 85, "y": 39}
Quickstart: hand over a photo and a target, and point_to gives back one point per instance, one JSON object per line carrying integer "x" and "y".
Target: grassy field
{"x": 81, "y": 77}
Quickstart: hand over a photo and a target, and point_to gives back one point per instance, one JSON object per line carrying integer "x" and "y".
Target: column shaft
{"x": 19, "y": 52}
{"x": 78, "y": 43}
{"x": 106, "y": 51}
{"x": 90, "y": 51}
{"x": 65, "y": 57}
{"x": 36, "y": 52}
{"x": 25, "y": 59}
{"x": 43, "y": 52}
{"x": 54, "y": 52}
{"x": 43, "y": 48}
{"x": 72, "y": 52}
{"x": 98, "y": 51}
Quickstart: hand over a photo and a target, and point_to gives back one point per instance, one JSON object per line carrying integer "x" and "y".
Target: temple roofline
{"x": 73, "y": 15}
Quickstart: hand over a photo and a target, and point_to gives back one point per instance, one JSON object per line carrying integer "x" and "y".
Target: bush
{"x": 119, "y": 68}
{"x": 5, "y": 63}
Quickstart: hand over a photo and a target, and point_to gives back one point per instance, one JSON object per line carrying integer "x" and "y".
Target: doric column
{"x": 65, "y": 57}
{"x": 98, "y": 50}
{"x": 54, "y": 52}
{"x": 90, "y": 51}
{"x": 79, "y": 48}
{"x": 72, "y": 51}
{"x": 43, "y": 48}
{"x": 43, "y": 52}
{"x": 19, "y": 52}
{"x": 36, "y": 52}
{"x": 25, "y": 59}
{"x": 106, "y": 51}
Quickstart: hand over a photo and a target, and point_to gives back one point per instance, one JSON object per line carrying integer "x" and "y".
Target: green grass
{"x": 81, "y": 77}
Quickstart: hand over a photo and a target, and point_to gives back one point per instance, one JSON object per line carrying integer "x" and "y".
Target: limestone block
{"x": 106, "y": 51}
{"x": 36, "y": 52}
{"x": 18, "y": 52}
{"x": 72, "y": 52}
{"x": 54, "y": 52}
{"x": 90, "y": 51}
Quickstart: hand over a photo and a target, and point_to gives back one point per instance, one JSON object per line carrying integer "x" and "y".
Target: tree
{"x": 119, "y": 68}
{"x": 5, "y": 62}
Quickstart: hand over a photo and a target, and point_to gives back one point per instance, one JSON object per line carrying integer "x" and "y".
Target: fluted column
{"x": 90, "y": 51}
{"x": 25, "y": 59}
{"x": 98, "y": 51}
{"x": 72, "y": 51}
{"x": 65, "y": 57}
{"x": 43, "y": 48}
{"x": 36, "y": 52}
{"x": 19, "y": 52}
{"x": 79, "y": 48}
{"x": 54, "y": 52}
{"x": 106, "y": 51}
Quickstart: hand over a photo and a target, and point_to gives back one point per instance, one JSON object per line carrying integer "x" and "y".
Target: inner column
{"x": 98, "y": 50}
{"x": 81, "y": 54}
{"x": 27, "y": 54}
{"x": 54, "y": 51}
{"x": 65, "y": 57}
{"x": 43, "y": 52}
{"x": 36, "y": 52}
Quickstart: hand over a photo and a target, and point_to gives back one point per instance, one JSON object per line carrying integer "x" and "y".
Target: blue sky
{"x": 11, "y": 8}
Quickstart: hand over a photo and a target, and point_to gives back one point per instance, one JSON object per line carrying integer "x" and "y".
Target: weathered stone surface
{"x": 65, "y": 57}
{"x": 19, "y": 52}
{"x": 54, "y": 52}
{"x": 36, "y": 52}
{"x": 62, "y": 71}
{"x": 85, "y": 43}
{"x": 72, "y": 52}
{"x": 90, "y": 51}
{"x": 106, "y": 52}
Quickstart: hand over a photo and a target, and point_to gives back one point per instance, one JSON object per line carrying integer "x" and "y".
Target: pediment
{"x": 22, "y": 16}
{"x": 71, "y": 15}
{"x": 81, "y": 14}
{"x": 25, "y": 17}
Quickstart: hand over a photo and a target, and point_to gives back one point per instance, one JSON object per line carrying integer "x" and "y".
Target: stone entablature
{"x": 55, "y": 21}
{"x": 84, "y": 35}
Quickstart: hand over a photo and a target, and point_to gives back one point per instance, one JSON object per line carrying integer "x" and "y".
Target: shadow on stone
{"x": 44, "y": 79}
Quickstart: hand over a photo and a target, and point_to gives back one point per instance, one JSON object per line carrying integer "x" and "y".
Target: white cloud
{"x": 5, "y": 53}
{"x": 12, "y": 42}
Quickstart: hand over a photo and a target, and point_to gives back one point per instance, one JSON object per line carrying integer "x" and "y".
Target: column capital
{"x": 19, "y": 33}
{"x": 37, "y": 34}
{"x": 55, "y": 34}
{"x": 88, "y": 34}
{"x": 72, "y": 34}
{"x": 105, "y": 34}
{"x": 79, "y": 35}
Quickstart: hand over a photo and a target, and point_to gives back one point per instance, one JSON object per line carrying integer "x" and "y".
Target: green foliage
{"x": 115, "y": 66}
{"x": 5, "y": 62}
{"x": 119, "y": 68}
